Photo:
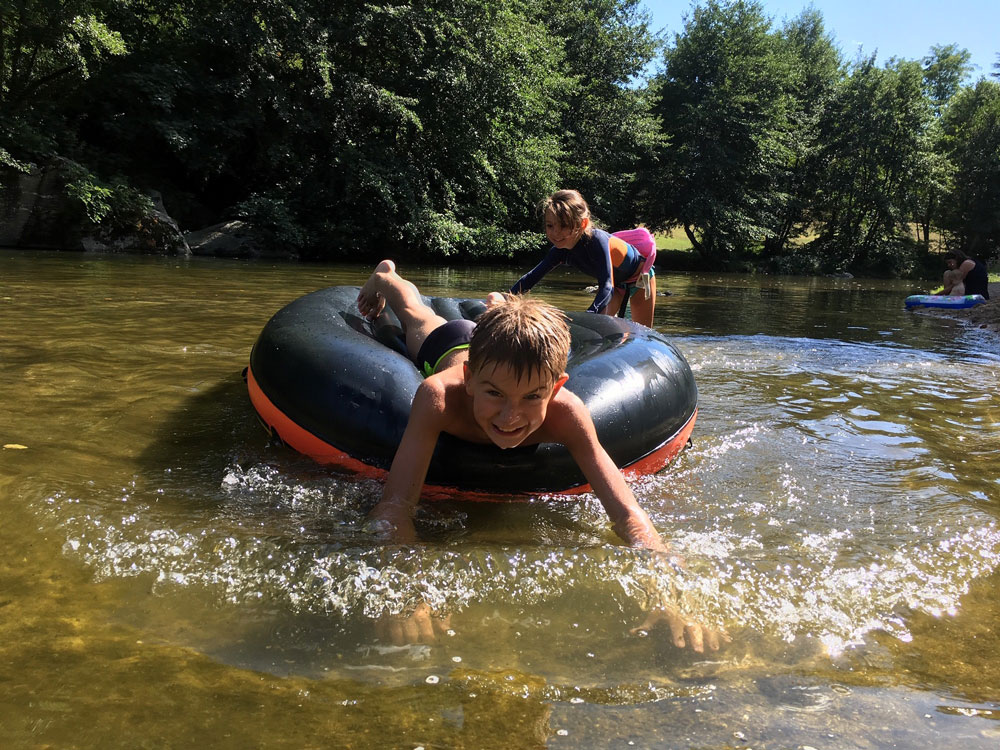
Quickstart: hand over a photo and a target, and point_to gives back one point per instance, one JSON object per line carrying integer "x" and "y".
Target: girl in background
{"x": 618, "y": 266}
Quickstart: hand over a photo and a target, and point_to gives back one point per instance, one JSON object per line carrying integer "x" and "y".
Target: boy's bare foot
{"x": 370, "y": 302}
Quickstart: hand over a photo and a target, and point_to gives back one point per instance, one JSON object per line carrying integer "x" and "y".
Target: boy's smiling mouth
{"x": 511, "y": 431}
{"x": 508, "y": 437}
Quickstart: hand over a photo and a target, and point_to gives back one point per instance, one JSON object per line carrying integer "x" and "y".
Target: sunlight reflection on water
{"x": 813, "y": 504}
{"x": 841, "y": 491}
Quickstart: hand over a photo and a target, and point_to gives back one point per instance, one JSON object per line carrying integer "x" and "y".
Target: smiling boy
{"x": 499, "y": 380}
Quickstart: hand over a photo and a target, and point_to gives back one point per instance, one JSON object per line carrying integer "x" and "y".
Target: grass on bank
{"x": 676, "y": 246}
{"x": 675, "y": 239}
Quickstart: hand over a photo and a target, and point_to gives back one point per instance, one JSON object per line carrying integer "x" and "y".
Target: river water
{"x": 169, "y": 578}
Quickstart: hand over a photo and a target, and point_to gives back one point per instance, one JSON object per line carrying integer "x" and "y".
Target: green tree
{"x": 724, "y": 104}
{"x": 945, "y": 69}
{"x": 46, "y": 48}
{"x": 44, "y": 42}
{"x": 816, "y": 69}
{"x": 608, "y": 131}
{"x": 972, "y": 139}
{"x": 873, "y": 133}
{"x": 345, "y": 128}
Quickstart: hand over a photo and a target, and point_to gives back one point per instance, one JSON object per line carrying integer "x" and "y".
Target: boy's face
{"x": 562, "y": 236}
{"x": 507, "y": 409}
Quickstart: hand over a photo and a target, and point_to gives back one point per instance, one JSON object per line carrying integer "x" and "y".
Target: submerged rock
{"x": 231, "y": 239}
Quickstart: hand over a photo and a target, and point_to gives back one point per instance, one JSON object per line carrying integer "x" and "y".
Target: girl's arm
{"x": 964, "y": 269}
{"x": 550, "y": 261}
{"x": 592, "y": 255}
{"x": 605, "y": 289}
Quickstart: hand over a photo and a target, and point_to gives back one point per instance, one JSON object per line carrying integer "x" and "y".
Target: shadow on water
{"x": 211, "y": 444}
{"x": 195, "y": 441}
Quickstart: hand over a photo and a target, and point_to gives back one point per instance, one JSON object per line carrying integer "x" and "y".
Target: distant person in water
{"x": 498, "y": 381}
{"x": 618, "y": 266}
{"x": 965, "y": 275}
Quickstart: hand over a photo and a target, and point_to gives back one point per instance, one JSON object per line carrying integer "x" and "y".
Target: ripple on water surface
{"x": 832, "y": 489}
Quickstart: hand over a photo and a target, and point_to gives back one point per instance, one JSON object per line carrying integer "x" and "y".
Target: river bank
{"x": 983, "y": 316}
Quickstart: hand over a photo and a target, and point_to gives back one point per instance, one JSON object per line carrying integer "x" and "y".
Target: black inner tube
{"x": 351, "y": 383}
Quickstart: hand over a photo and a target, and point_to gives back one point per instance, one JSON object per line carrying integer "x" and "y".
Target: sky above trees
{"x": 895, "y": 28}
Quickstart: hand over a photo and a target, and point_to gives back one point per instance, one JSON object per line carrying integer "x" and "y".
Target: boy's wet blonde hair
{"x": 527, "y": 335}
{"x": 569, "y": 208}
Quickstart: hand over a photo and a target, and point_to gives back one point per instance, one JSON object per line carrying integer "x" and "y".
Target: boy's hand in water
{"x": 686, "y": 632}
{"x": 392, "y": 523}
{"x": 420, "y": 626}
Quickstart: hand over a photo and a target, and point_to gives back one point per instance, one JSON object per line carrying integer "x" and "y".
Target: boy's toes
{"x": 495, "y": 298}
{"x": 370, "y": 307}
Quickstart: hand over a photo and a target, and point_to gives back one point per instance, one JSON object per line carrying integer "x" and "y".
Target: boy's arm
{"x": 632, "y": 524}
{"x": 409, "y": 466}
{"x": 628, "y": 518}
{"x": 399, "y": 499}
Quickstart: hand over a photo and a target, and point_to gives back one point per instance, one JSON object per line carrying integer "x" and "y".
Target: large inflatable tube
{"x": 338, "y": 389}
{"x": 955, "y": 302}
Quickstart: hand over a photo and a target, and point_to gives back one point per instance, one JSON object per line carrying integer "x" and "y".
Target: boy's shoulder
{"x": 567, "y": 419}
{"x": 445, "y": 387}
{"x": 444, "y": 398}
{"x": 568, "y": 406}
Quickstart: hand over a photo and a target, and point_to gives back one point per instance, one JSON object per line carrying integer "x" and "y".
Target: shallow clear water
{"x": 168, "y": 577}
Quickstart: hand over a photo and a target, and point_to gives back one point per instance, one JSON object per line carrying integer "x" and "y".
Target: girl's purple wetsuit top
{"x": 609, "y": 259}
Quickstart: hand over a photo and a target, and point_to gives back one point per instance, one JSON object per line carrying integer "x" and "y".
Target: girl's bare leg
{"x": 642, "y": 308}
{"x": 386, "y": 287}
{"x": 952, "y": 284}
{"x": 615, "y": 303}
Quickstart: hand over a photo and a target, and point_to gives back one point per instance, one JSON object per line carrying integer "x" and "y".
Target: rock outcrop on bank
{"x": 38, "y": 210}
{"x": 232, "y": 239}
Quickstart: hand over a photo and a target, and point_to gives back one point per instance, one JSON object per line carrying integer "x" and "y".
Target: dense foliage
{"x": 348, "y": 129}
{"x": 725, "y": 105}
